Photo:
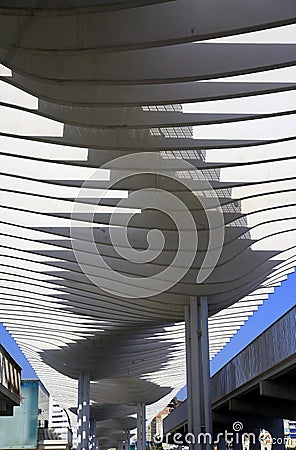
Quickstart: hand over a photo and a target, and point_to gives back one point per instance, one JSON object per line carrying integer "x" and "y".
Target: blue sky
{"x": 278, "y": 303}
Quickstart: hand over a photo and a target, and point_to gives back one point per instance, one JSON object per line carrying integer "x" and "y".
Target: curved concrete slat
{"x": 156, "y": 66}
{"x": 167, "y": 94}
{"x": 145, "y": 26}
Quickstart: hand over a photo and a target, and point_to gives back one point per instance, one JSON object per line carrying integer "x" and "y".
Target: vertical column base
{"x": 141, "y": 426}
{"x": 83, "y": 432}
{"x": 198, "y": 374}
{"x": 93, "y": 435}
{"x": 127, "y": 440}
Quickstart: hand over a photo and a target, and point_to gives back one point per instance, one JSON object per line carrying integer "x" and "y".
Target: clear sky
{"x": 278, "y": 303}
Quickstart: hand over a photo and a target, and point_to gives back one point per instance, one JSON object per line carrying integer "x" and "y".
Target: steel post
{"x": 83, "y": 431}
{"x": 198, "y": 374}
{"x": 141, "y": 426}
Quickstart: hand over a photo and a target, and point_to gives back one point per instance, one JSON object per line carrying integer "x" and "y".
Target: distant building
{"x": 60, "y": 423}
{"x": 292, "y": 426}
{"x": 290, "y": 432}
{"x": 156, "y": 425}
{"x": 32, "y": 412}
{"x": 28, "y": 427}
{"x": 10, "y": 379}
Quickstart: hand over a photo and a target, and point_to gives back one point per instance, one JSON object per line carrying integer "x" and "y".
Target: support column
{"x": 188, "y": 367}
{"x": 93, "y": 435}
{"x": 83, "y": 431}
{"x": 206, "y": 366}
{"x": 196, "y": 369}
{"x": 141, "y": 426}
{"x": 198, "y": 374}
{"x": 127, "y": 440}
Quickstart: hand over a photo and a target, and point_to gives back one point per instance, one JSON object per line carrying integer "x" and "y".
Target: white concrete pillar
{"x": 93, "y": 435}
{"x": 206, "y": 367}
{"x": 83, "y": 432}
{"x": 127, "y": 440}
{"x": 141, "y": 426}
{"x": 198, "y": 372}
{"x": 188, "y": 367}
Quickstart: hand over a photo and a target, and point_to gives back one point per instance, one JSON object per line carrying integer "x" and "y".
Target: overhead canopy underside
{"x": 197, "y": 100}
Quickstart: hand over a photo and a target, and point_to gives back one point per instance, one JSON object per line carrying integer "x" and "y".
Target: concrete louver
{"x": 75, "y": 101}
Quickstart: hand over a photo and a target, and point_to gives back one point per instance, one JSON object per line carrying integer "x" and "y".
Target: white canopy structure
{"x": 117, "y": 119}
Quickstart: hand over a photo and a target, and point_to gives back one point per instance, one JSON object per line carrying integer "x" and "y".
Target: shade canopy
{"x": 147, "y": 156}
